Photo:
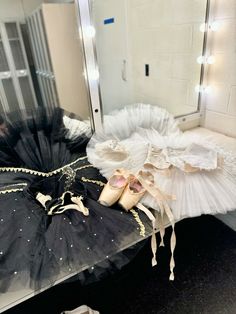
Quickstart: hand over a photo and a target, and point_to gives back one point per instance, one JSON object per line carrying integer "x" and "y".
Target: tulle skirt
{"x": 36, "y": 247}
{"x": 207, "y": 191}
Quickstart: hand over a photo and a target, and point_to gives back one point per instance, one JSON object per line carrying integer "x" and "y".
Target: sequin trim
{"x": 100, "y": 183}
{"x": 138, "y": 220}
{"x": 39, "y": 173}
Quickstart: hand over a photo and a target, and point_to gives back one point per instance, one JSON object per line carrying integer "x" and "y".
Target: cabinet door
{"x": 15, "y": 45}
{"x": 20, "y": 68}
{"x": 41, "y": 53}
{"x": 7, "y": 90}
{"x": 10, "y": 93}
{"x": 36, "y": 56}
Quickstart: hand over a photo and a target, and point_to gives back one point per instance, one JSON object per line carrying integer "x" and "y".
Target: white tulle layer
{"x": 76, "y": 127}
{"x": 202, "y": 192}
{"x": 122, "y": 123}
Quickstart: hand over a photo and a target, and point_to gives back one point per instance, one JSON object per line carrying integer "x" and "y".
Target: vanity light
{"x": 203, "y": 89}
{"x": 203, "y": 59}
{"x": 198, "y": 88}
{"x": 203, "y": 27}
{"x": 90, "y": 31}
{"x": 200, "y": 59}
{"x": 94, "y": 75}
{"x": 207, "y": 89}
{"x": 215, "y": 26}
{"x": 210, "y": 60}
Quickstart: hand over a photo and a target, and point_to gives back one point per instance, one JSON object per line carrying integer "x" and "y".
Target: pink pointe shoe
{"x": 114, "y": 188}
{"x": 133, "y": 192}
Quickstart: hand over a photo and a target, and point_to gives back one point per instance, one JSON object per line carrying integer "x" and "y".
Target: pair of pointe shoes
{"x": 124, "y": 188}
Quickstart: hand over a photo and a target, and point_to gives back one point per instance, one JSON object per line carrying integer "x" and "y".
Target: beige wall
{"x": 221, "y": 102}
{"x": 67, "y": 57}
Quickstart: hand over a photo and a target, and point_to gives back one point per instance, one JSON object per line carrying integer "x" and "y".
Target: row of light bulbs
{"x": 214, "y": 26}
{"x": 204, "y": 27}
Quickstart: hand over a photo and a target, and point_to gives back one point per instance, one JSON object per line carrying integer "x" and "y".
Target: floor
{"x": 205, "y": 279}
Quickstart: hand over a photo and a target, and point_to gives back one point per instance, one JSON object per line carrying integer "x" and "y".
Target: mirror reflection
{"x": 147, "y": 52}
{"x": 41, "y": 61}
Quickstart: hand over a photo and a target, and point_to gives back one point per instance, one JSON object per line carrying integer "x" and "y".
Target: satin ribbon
{"x": 147, "y": 181}
{"x": 76, "y": 203}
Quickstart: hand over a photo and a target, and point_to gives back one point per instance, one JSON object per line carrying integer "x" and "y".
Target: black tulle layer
{"x": 38, "y": 249}
{"x": 38, "y": 141}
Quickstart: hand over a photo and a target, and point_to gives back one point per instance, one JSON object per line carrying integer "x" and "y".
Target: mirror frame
{"x": 91, "y": 67}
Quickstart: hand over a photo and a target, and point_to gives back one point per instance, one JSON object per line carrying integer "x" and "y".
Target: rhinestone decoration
{"x": 70, "y": 177}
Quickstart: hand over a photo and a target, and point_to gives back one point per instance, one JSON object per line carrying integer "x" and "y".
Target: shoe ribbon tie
{"x": 147, "y": 181}
{"x": 76, "y": 202}
{"x": 153, "y": 238}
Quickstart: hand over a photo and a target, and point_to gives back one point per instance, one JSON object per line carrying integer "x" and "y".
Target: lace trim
{"x": 39, "y": 173}
{"x": 138, "y": 220}
{"x": 84, "y": 167}
{"x": 100, "y": 183}
{"x": 13, "y": 189}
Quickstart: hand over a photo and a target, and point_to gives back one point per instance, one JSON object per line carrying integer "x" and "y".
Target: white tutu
{"x": 76, "y": 127}
{"x": 125, "y": 143}
{"x": 122, "y": 123}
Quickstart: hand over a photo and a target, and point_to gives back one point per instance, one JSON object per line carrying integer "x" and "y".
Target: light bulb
{"x": 201, "y": 59}
{"x": 207, "y": 89}
{"x": 203, "y": 89}
{"x": 202, "y": 27}
{"x": 215, "y": 26}
{"x": 210, "y": 60}
{"x": 94, "y": 75}
{"x": 90, "y": 31}
{"x": 198, "y": 88}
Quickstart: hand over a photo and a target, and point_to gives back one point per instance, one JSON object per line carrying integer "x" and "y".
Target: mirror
{"x": 41, "y": 59}
{"x": 147, "y": 52}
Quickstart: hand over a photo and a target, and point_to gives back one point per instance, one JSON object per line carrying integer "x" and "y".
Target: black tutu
{"x": 51, "y": 224}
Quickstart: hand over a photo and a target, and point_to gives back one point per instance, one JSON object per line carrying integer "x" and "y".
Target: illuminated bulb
{"x": 211, "y": 60}
{"x": 207, "y": 89}
{"x": 202, "y": 27}
{"x": 198, "y": 88}
{"x": 94, "y": 75}
{"x": 90, "y": 31}
{"x": 215, "y": 26}
{"x": 203, "y": 89}
{"x": 201, "y": 59}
